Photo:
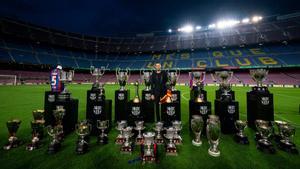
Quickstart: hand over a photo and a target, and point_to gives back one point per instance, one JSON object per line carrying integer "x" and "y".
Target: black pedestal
{"x": 134, "y": 113}
{"x": 203, "y": 109}
{"x": 259, "y": 105}
{"x": 194, "y": 93}
{"x": 121, "y": 104}
{"x": 228, "y": 112}
{"x": 147, "y": 106}
{"x": 219, "y": 93}
{"x": 97, "y": 108}
{"x": 71, "y": 114}
{"x": 177, "y": 100}
{"x": 169, "y": 113}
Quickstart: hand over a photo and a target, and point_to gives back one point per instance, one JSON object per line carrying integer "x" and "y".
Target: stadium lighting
{"x": 186, "y": 29}
{"x": 227, "y": 23}
{"x": 256, "y": 18}
{"x": 198, "y": 27}
{"x": 246, "y": 20}
{"x": 212, "y": 26}
{"x": 170, "y": 30}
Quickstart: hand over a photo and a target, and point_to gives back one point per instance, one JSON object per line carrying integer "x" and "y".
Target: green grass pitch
{"x": 19, "y": 101}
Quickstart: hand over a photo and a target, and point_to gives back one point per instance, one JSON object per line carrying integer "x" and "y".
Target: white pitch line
{"x": 184, "y": 96}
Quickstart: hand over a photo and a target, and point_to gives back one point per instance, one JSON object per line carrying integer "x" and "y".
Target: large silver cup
{"x": 139, "y": 126}
{"x": 122, "y": 77}
{"x": 213, "y": 135}
{"x": 158, "y": 128}
{"x": 120, "y": 126}
{"x": 197, "y": 125}
{"x": 66, "y": 77}
{"x": 173, "y": 77}
{"x": 98, "y": 73}
{"x": 146, "y": 76}
{"x": 224, "y": 77}
{"x": 148, "y": 142}
{"x": 259, "y": 76}
{"x": 171, "y": 147}
{"x": 199, "y": 77}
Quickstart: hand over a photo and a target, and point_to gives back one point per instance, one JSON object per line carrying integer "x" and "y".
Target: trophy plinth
{"x": 149, "y": 148}
{"x": 121, "y": 105}
{"x": 13, "y": 141}
{"x": 102, "y": 126}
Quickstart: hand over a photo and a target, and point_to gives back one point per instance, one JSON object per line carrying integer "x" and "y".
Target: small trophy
{"x": 177, "y": 126}
{"x": 98, "y": 73}
{"x": 122, "y": 77}
{"x": 171, "y": 147}
{"x": 55, "y": 132}
{"x": 224, "y": 77}
{"x": 59, "y": 114}
{"x": 263, "y": 136}
{"x": 199, "y": 77}
{"x": 13, "y": 141}
{"x": 173, "y": 77}
{"x": 136, "y": 97}
{"x": 197, "y": 125}
{"x": 37, "y": 133}
{"x": 213, "y": 131}
{"x": 146, "y": 75}
{"x": 139, "y": 126}
{"x": 240, "y": 137}
{"x": 127, "y": 145}
{"x": 102, "y": 126}
{"x": 83, "y": 129}
{"x": 284, "y": 137}
{"x": 65, "y": 78}
{"x": 120, "y": 126}
{"x": 149, "y": 151}
{"x": 158, "y": 128}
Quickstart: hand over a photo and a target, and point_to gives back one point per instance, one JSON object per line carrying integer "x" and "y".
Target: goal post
{"x": 8, "y": 79}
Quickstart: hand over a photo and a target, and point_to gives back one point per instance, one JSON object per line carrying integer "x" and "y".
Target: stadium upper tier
{"x": 280, "y": 55}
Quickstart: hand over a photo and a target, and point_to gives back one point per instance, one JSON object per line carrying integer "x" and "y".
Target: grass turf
{"x": 19, "y": 101}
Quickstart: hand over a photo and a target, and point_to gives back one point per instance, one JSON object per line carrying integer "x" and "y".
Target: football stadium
{"x": 219, "y": 95}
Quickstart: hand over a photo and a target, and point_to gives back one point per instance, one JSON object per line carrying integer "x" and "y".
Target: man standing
{"x": 159, "y": 80}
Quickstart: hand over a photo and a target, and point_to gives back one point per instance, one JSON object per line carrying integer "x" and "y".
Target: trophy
{"x": 127, "y": 145}
{"x": 120, "y": 126}
{"x": 259, "y": 75}
{"x": 58, "y": 114}
{"x": 37, "y": 133}
{"x": 102, "y": 126}
{"x": 158, "y": 128}
{"x": 240, "y": 136}
{"x": 65, "y": 78}
{"x": 199, "y": 77}
{"x": 13, "y": 141}
{"x": 173, "y": 77}
{"x": 263, "y": 136}
{"x": 83, "y": 129}
{"x": 98, "y": 73}
{"x": 55, "y": 132}
{"x": 136, "y": 97}
{"x": 149, "y": 153}
{"x": 224, "y": 77}
{"x": 197, "y": 125}
{"x": 146, "y": 75}
{"x": 139, "y": 126}
{"x": 177, "y": 126}
{"x": 171, "y": 147}
{"x": 213, "y": 135}
{"x": 122, "y": 77}
{"x": 38, "y": 115}
{"x": 284, "y": 137}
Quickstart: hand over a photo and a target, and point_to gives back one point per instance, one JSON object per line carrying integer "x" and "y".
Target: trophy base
{"x": 102, "y": 140}
{"x": 159, "y": 141}
{"x": 177, "y": 141}
{"x": 11, "y": 145}
{"x": 126, "y": 149}
{"x": 171, "y": 151}
{"x": 241, "y": 139}
{"x": 82, "y": 148}
{"x": 265, "y": 146}
{"x": 33, "y": 146}
{"x": 199, "y": 143}
{"x": 148, "y": 159}
{"x": 214, "y": 153}
{"x": 139, "y": 140}
{"x": 120, "y": 141}
{"x": 54, "y": 147}
{"x": 288, "y": 147}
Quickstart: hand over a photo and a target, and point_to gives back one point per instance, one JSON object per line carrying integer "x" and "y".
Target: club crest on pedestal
{"x": 203, "y": 110}
{"x": 135, "y": 111}
{"x": 265, "y": 100}
{"x": 121, "y": 96}
{"x": 147, "y": 96}
{"x": 231, "y": 109}
{"x": 51, "y": 98}
{"x": 93, "y": 96}
{"x": 97, "y": 110}
{"x": 174, "y": 97}
{"x": 170, "y": 111}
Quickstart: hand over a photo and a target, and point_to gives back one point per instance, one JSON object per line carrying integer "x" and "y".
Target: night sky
{"x": 120, "y": 17}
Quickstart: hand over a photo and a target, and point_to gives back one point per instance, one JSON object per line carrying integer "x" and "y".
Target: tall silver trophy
{"x": 284, "y": 137}
{"x": 259, "y": 76}
{"x": 97, "y": 73}
{"x": 149, "y": 151}
{"x": 197, "y": 125}
{"x": 240, "y": 137}
{"x": 224, "y": 77}
{"x": 173, "y": 76}
{"x": 66, "y": 77}
{"x": 177, "y": 126}
{"x": 213, "y": 132}
{"x": 158, "y": 128}
{"x": 120, "y": 126}
{"x": 139, "y": 127}
{"x": 127, "y": 145}
{"x": 102, "y": 125}
{"x": 265, "y": 131}
{"x": 146, "y": 76}
{"x": 171, "y": 147}
{"x": 122, "y": 77}
{"x": 199, "y": 78}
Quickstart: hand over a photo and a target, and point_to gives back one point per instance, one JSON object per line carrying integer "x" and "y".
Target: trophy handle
{"x": 128, "y": 72}
{"x": 117, "y": 72}
{"x": 178, "y": 74}
{"x": 203, "y": 77}
{"x": 102, "y": 70}
{"x": 98, "y": 124}
{"x": 92, "y": 68}
{"x": 230, "y": 76}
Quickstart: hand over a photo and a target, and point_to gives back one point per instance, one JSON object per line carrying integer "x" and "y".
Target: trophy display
{"x": 135, "y": 105}
{"x": 127, "y": 146}
{"x": 259, "y": 99}
{"x": 65, "y": 78}
{"x": 122, "y": 95}
{"x": 213, "y": 132}
{"x": 55, "y": 144}
{"x": 120, "y": 126}
{"x": 173, "y": 76}
{"x": 102, "y": 126}
{"x": 284, "y": 137}
{"x": 170, "y": 147}
{"x": 197, "y": 125}
{"x": 139, "y": 126}
{"x": 198, "y": 104}
{"x": 240, "y": 137}
{"x": 97, "y": 107}
{"x": 158, "y": 128}
{"x": 263, "y": 142}
{"x": 149, "y": 147}
{"x": 225, "y": 106}
{"x": 83, "y": 129}
{"x": 147, "y": 103}
{"x": 177, "y": 125}
{"x": 13, "y": 141}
